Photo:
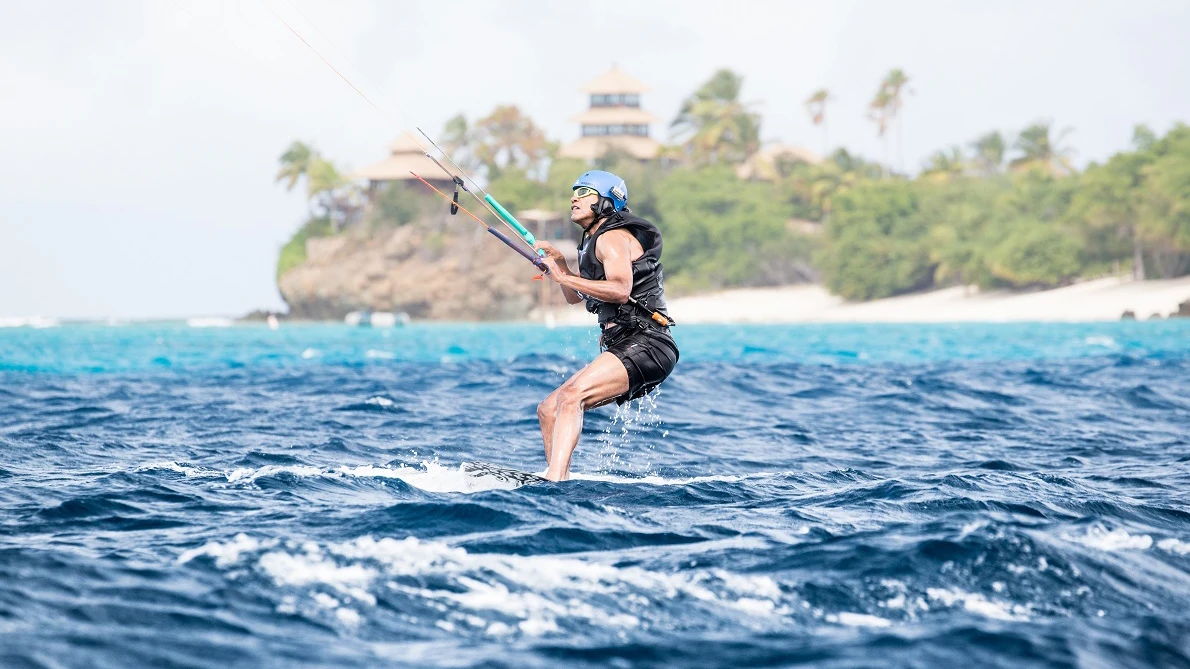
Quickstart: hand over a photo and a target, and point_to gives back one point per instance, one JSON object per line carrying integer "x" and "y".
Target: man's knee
{"x": 570, "y": 397}
{"x": 548, "y": 406}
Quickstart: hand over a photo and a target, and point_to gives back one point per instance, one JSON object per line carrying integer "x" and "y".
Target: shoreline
{"x": 1095, "y": 300}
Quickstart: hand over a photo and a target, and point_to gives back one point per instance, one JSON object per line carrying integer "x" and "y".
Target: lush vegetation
{"x": 1001, "y": 212}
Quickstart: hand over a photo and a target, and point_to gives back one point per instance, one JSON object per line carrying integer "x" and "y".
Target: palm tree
{"x": 895, "y": 82}
{"x": 945, "y": 165}
{"x": 294, "y": 163}
{"x": 328, "y": 193}
{"x": 878, "y": 113}
{"x": 816, "y": 106}
{"x": 989, "y": 152}
{"x": 714, "y": 124}
{"x": 1041, "y": 151}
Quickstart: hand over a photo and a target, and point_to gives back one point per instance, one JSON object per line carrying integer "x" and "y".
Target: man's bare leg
{"x": 546, "y": 413}
{"x": 594, "y": 385}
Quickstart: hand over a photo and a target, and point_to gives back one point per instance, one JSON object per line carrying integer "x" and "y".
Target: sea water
{"x": 853, "y": 495}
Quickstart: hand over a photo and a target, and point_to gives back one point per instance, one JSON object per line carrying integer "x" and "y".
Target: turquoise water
{"x": 145, "y": 347}
{"x": 834, "y": 495}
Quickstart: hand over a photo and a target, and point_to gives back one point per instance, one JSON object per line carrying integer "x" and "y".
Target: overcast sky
{"x": 140, "y": 139}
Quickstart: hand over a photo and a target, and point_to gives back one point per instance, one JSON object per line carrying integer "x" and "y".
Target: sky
{"x": 140, "y": 138}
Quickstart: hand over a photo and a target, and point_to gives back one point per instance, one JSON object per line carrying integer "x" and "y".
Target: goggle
{"x": 584, "y": 191}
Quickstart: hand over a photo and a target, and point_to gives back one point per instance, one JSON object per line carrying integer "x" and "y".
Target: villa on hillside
{"x": 614, "y": 120}
{"x": 765, "y": 164}
{"x": 405, "y": 156}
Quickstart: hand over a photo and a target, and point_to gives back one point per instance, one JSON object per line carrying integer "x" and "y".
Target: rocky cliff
{"x": 438, "y": 267}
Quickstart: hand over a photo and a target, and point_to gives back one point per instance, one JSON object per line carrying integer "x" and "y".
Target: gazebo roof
{"x": 614, "y": 81}
{"x": 405, "y": 144}
{"x": 405, "y": 157}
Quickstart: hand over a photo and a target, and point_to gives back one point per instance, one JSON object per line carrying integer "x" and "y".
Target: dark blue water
{"x": 833, "y": 496}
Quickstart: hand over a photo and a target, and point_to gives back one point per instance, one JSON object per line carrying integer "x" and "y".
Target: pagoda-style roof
{"x": 405, "y": 156}
{"x": 614, "y": 115}
{"x": 614, "y": 81}
{"x": 590, "y": 148}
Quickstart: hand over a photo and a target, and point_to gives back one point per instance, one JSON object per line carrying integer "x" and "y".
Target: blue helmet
{"x": 607, "y": 185}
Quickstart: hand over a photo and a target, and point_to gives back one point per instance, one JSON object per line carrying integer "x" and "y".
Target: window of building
{"x": 615, "y": 100}
{"x": 637, "y": 129}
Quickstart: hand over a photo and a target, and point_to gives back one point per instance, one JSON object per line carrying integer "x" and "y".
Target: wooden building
{"x": 405, "y": 156}
{"x": 614, "y": 120}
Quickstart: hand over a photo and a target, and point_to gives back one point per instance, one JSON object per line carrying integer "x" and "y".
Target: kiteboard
{"x": 486, "y": 470}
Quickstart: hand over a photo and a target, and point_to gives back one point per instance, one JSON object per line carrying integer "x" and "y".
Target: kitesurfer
{"x": 619, "y": 277}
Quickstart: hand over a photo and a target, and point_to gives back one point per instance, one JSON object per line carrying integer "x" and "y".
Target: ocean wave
{"x": 999, "y": 496}
{"x": 491, "y": 594}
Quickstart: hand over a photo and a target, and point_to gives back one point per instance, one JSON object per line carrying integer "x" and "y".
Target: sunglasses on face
{"x": 584, "y": 191}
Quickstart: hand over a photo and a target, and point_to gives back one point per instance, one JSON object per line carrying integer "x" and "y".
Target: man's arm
{"x": 614, "y": 250}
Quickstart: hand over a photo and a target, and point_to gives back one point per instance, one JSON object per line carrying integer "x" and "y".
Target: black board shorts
{"x": 648, "y": 354}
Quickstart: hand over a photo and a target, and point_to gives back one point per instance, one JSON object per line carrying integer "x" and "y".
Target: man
{"x": 619, "y": 276}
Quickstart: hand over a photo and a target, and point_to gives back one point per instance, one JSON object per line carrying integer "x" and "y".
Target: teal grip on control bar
{"x": 516, "y": 225}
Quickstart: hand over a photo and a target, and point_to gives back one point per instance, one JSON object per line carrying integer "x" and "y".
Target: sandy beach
{"x": 1095, "y": 300}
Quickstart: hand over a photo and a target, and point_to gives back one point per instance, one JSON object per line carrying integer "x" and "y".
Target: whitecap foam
{"x": 248, "y": 474}
{"x": 431, "y": 477}
{"x": 380, "y": 401}
{"x": 858, "y": 620}
{"x": 379, "y": 355}
{"x": 1098, "y": 536}
{"x": 310, "y": 353}
{"x": 186, "y": 470}
{"x": 1172, "y": 545}
{"x": 531, "y": 594}
{"x": 225, "y": 554}
{"x": 1100, "y": 340}
{"x": 435, "y": 477}
{"x": 977, "y": 603}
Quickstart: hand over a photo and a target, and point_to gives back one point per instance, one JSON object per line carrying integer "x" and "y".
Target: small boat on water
{"x": 377, "y": 319}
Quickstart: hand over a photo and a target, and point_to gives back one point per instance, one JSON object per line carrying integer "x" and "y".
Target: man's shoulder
{"x": 619, "y": 234}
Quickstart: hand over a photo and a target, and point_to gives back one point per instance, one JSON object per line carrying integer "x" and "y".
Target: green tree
{"x": 1107, "y": 203}
{"x": 1032, "y": 253}
{"x": 722, "y": 232}
{"x": 1165, "y": 203}
{"x": 1143, "y": 137}
{"x": 294, "y": 163}
{"x": 1040, "y": 150}
{"x": 508, "y": 138}
{"x": 945, "y": 165}
{"x": 816, "y": 107}
{"x": 989, "y": 152}
{"x": 329, "y": 195}
{"x": 876, "y": 243}
{"x": 958, "y": 214}
{"x": 1031, "y": 212}
{"x": 714, "y": 126}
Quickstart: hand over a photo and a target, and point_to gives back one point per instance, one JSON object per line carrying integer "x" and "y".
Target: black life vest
{"x": 647, "y": 279}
